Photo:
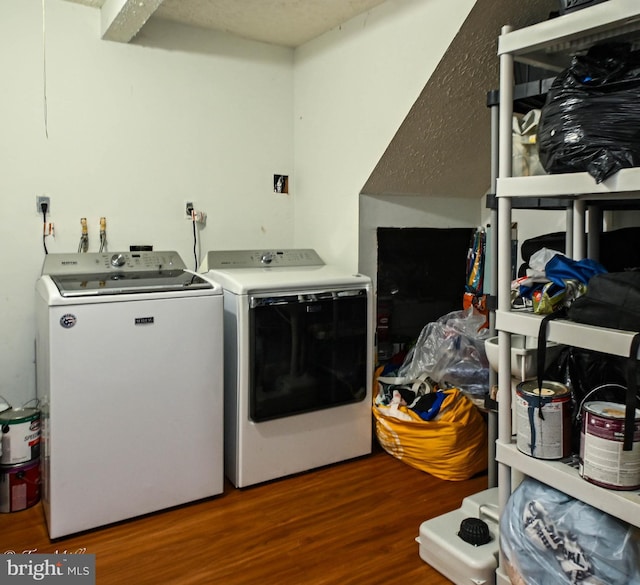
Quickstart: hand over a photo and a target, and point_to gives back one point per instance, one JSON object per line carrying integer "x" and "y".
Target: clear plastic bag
{"x": 550, "y": 538}
{"x": 451, "y": 351}
{"x": 591, "y": 118}
{"x": 526, "y": 161}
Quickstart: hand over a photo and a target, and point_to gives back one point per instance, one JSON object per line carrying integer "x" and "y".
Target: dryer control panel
{"x": 262, "y": 258}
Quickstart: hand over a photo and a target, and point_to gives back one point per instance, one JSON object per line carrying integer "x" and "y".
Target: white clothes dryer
{"x": 298, "y": 346}
{"x": 129, "y": 381}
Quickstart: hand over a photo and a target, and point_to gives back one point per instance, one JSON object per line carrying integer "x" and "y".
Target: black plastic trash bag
{"x": 591, "y": 119}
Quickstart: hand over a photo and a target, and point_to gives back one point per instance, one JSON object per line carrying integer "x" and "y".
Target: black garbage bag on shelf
{"x": 591, "y": 118}
{"x": 590, "y": 376}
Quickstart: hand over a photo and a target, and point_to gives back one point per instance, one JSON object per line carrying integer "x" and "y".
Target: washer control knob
{"x": 266, "y": 258}
{"x": 118, "y": 260}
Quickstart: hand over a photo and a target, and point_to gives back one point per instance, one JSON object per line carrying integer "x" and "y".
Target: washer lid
{"x": 79, "y": 275}
{"x": 80, "y": 285}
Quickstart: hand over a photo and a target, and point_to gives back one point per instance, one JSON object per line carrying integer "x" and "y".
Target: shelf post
{"x": 568, "y": 245}
{"x": 579, "y": 226}
{"x": 594, "y": 218}
{"x": 504, "y": 266}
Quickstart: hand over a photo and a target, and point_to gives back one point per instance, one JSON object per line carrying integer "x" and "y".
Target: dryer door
{"x": 308, "y": 351}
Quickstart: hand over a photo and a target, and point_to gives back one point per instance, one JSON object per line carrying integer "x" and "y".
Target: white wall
{"x": 535, "y": 222}
{"x": 133, "y": 131}
{"x": 353, "y": 88}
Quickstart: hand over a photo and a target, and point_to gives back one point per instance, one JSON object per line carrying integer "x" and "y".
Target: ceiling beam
{"x": 121, "y": 20}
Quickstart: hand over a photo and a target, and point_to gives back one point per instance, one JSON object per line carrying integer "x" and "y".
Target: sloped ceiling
{"x": 443, "y": 147}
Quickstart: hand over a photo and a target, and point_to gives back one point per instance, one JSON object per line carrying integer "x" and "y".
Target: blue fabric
{"x": 561, "y": 268}
{"x": 433, "y": 410}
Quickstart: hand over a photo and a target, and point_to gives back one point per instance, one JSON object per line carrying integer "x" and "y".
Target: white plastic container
{"x": 461, "y": 562}
{"x": 524, "y": 355}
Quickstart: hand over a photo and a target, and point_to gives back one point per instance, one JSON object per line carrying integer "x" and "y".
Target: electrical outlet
{"x": 188, "y": 208}
{"x": 40, "y": 200}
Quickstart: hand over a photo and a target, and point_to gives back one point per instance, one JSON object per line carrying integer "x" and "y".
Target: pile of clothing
{"x": 552, "y": 281}
{"x": 422, "y": 397}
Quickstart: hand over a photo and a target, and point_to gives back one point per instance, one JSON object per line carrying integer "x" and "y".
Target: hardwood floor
{"x": 352, "y": 523}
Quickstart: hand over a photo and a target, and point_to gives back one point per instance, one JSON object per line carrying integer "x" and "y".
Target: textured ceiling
{"x": 281, "y": 22}
{"x": 288, "y": 23}
{"x": 443, "y": 147}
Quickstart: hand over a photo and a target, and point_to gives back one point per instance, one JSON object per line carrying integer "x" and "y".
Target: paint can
{"x": 543, "y": 419}
{"x": 19, "y": 486}
{"x": 603, "y": 461}
{"x": 3, "y": 406}
{"x": 20, "y": 435}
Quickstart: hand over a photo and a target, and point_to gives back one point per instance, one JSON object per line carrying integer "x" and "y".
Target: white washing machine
{"x": 298, "y": 346}
{"x": 129, "y": 380}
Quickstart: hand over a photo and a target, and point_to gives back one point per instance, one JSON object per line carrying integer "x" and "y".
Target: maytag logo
{"x": 144, "y": 320}
{"x": 77, "y": 569}
{"x": 68, "y": 320}
{"x": 69, "y": 262}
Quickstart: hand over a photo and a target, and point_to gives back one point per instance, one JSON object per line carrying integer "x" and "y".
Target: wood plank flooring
{"x": 353, "y": 523}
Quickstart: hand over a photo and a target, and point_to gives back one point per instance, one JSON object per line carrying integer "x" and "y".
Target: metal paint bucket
{"x": 19, "y": 486}
{"x": 20, "y": 435}
{"x": 543, "y": 419}
{"x": 602, "y": 458}
{"x": 3, "y": 406}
